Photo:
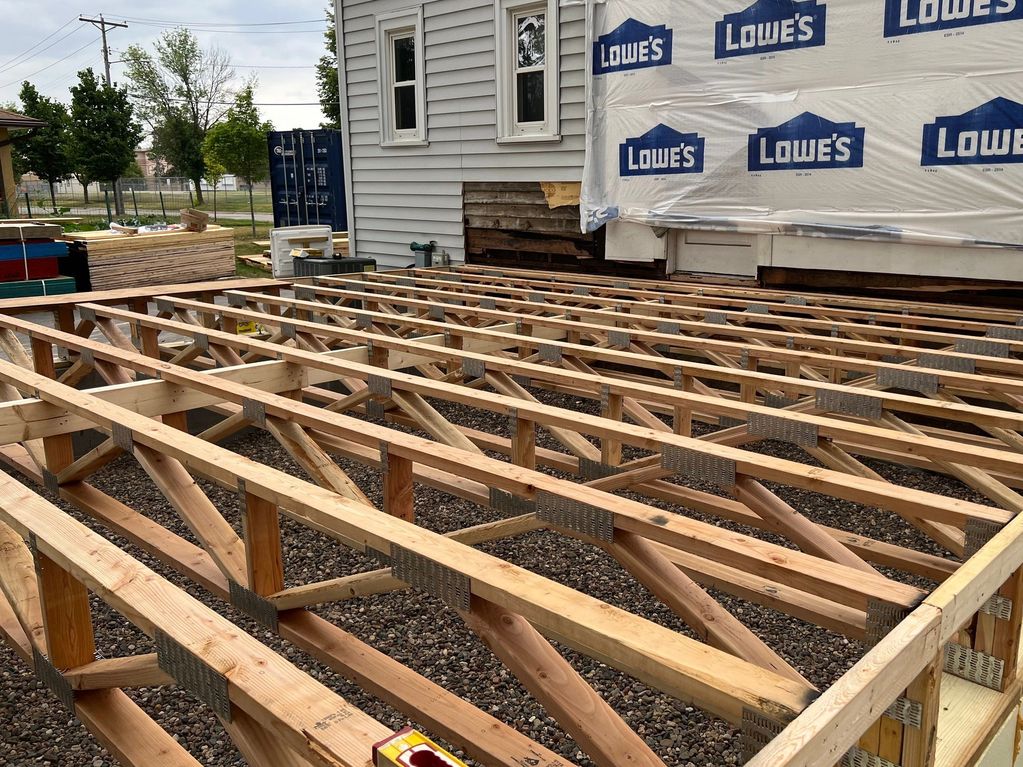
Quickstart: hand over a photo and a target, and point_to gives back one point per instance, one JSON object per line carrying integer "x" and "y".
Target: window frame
{"x": 509, "y": 129}
{"x": 390, "y": 27}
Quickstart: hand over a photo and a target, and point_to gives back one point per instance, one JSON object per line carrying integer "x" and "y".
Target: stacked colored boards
{"x": 109, "y": 261}
{"x": 30, "y": 256}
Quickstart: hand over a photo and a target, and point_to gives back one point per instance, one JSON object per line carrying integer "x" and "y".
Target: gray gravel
{"x": 421, "y": 633}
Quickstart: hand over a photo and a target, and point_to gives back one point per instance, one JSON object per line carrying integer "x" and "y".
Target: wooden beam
{"x": 19, "y": 586}
{"x": 311, "y": 457}
{"x": 130, "y": 671}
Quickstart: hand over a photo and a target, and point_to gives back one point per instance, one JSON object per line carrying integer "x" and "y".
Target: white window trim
{"x": 388, "y": 26}
{"x": 508, "y": 130}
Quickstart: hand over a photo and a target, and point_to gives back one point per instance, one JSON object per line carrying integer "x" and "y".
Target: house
{"x": 464, "y": 122}
{"x": 8, "y": 184}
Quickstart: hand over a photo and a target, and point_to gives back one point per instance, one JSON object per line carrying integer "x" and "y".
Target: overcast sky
{"x": 281, "y": 57}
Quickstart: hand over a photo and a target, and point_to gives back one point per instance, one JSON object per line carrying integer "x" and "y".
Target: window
{"x": 527, "y": 70}
{"x": 402, "y": 93}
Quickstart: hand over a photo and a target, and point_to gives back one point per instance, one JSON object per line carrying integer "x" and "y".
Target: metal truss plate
{"x": 406, "y": 282}
{"x": 779, "y": 401}
{"x": 978, "y": 533}
{"x": 510, "y": 504}
{"x": 590, "y": 469}
{"x": 998, "y": 606}
{"x": 259, "y": 608}
{"x": 894, "y": 359}
{"x": 363, "y": 321}
{"x": 436, "y": 312}
{"x": 695, "y": 464}
{"x": 758, "y": 309}
{"x": 450, "y": 277}
{"x": 982, "y": 347}
{"x": 715, "y": 318}
{"x": 580, "y": 290}
{"x": 88, "y": 314}
{"x": 305, "y": 293}
{"x": 122, "y": 436}
{"x": 454, "y": 301}
{"x": 550, "y": 352}
{"x": 254, "y": 411}
{"x": 621, "y": 286}
{"x": 728, "y": 422}
{"x": 473, "y": 368}
{"x": 849, "y": 403}
{"x": 379, "y": 556}
{"x": 795, "y": 301}
{"x": 536, "y": 298}
{"x": 488, "y": 303}
{"x": 857, "y": 757}
{"x": 575, "y": 515}
{"x": 669, "y": 328}
{"x": 1006, "y": 333}
{"x": 522, "y": 380}
{"x": 947, "y": 362}
{"x": 189, "y": 671}
{"x": 619, "y": 338}
{"x": 905, "y": 378}
{"x": 50, "y": 482}
{"x": 376, "y": 410}
{"x": 87, "y": 357}
{"x": 755, "y": 732}
{"x": 53, "y": 680}
{"x": 882, "y": 617}
{"x": 909, "y": 712}
{"x": 783, "y": 429}
{"x": 287, "y": 329}
{"x": 236, "y": 300}
{"x": 379, "y": 385}
{"x": 451, "y": 587}
{"x": 974, "y": 666}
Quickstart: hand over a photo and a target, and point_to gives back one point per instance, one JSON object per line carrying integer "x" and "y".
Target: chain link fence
{"x": 142, "y": 198}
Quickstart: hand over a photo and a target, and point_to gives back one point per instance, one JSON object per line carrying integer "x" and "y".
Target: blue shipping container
{"x": 307, "y": 178}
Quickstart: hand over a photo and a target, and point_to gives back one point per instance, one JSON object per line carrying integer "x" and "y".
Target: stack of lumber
{"x": 113, "y": 261}
{"x": 29, "y": 263}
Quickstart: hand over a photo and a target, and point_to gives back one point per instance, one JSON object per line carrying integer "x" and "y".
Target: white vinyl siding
{"x": 411, "y": 193}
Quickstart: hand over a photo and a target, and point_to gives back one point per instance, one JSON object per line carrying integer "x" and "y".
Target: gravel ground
{"x": 420, "y": 632}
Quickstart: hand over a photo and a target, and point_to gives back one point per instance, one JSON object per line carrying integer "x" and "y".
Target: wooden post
{"x": 58, "y": 449}
{"x": 399, "y": 499}
{"x": 67, "y": 618}
{"x": 523, "y": 442}
{"x": 263, "y": 558}
{"x": 611, "y": 407}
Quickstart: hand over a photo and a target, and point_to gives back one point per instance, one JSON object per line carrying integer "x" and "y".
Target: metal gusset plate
{"x": 550, "y": 352}
{"x": 974, "y": 666}
{"x": 236, "y": 300}
{"x": 978, "y": 533}
{"x": 1005, "y": 332}
{"x": 53, "y": 680}
{"x": 575, "y": 515}
{"x": 783, "y": 429}
{"x": 621, "y": 286}
{"x": 305, "y": 293}
{"x": 473, "y": 368}
{"x": 695, "y": 464}
{"x": 189, "y": 671}
{"x": 779, "y": 401}
{"x": 755, "y": 732}
{"x": 488, "y": 303}
{"x": 510, "y": 504}
{"x": 379, "y": 385}
{"x": 795, "y": 301}
{"x": 715, "y": 318}
{"x": 758, "y": 309}
{"x": 857, "y": 757}
{"x": 254, "y": 411}
{"x": 376, "y": 410}
{"x": 947, "y": 362}
{"x": 363, "y": 321}
{"x": 87, "y": 357}
{"x": 894, "y": 359}
{"x": 451, "y": 587}
{"x": 620, "y": 338}
{"x": 580, "y": 290}
{"x": 669, "y": 328}
{"x": 882, "y": 617}
{"x": 436, "y": 312}
{"x": 730, "y": 422}
{"x": 88, "y": 314}
{"x": 982, "y": 347}
{"x": 909, "y": 712}
{"x": 849, "y": 403}
{"x": 50, "y": 482}
{"x": 257, "y": 607}
{"x": 590, "y": 469}
{"x": 536, "y": 298}
{"x": 908, "y": 379}
{"x": 122, "y": 436}
{"x": 998, "y": 606}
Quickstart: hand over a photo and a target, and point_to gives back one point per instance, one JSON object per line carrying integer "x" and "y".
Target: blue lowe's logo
{"x": 807, "y": 142}
{"x": 633, "y": 45}
{"x": 771, "y": 25}
{"x": 991, "y": 134}
{"x": 908, "y": 17}
{"x": 660, "y": 151}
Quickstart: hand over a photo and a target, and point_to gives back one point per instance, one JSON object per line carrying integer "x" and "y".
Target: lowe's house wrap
{"x": 881, "y": 118}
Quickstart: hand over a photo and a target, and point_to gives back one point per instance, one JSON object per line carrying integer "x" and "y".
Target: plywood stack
{"x": 29, "y": 254}
{"x": 116, "y": 261}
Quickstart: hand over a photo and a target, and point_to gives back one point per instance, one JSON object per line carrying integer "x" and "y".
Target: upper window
{"x": 402, "y": 96}
{"x": 527, "y": 70}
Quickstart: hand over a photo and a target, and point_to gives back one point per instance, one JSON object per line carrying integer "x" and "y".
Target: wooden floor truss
{"x": 337, "y": 364}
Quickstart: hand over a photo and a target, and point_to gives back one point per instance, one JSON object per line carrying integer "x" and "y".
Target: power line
{"x": 224, "y": 23}
{"x": 48, "y": 66}
{"x": 35, "y": 51}
{"x": 191, "y": 28}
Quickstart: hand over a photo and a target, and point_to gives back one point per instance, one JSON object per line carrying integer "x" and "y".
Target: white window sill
{"x": 530, "y": 139}
{"x": 404, "y": 143}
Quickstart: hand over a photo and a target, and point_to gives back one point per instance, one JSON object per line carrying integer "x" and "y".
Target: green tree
{"x": 238, "y": 144}
{"x": 214, "y": 173}
{"x": 104, "y": 131}
{"x": 181, "y": 91}
{"x": 45, "y": 151}
{"x": 326, "y": 76}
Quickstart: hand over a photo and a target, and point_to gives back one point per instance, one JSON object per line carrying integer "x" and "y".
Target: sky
{"x": 43, "y": 41}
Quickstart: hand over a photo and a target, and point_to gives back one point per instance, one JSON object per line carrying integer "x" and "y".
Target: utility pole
{"x": 101, "y": 24}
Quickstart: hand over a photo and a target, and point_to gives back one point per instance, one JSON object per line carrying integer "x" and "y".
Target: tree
{"x": 44, "y": 151}
{"x": 181, "y": 91}
{"x": 327, "y": 76}
{"x": 214, "y": 173}
{"x": 104, "y": 132}
{"x": 238, "y": 144}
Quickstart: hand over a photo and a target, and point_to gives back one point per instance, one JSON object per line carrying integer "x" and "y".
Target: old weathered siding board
{"x": 415, "y": 193}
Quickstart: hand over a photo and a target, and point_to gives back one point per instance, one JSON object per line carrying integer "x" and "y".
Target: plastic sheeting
{"x": 862, "y": 118}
